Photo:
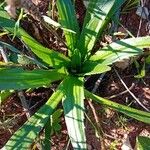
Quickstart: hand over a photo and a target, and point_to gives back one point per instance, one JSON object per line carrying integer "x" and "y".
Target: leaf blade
{"x": 131, "y": 112}
{"x": 143, "y": 143}
{"x": 73, "y": 104}
{"x": 68, "y": 20}
{"x": 5, "y": 94}
{"x": 17, "y": 78}
{"x": 121, "y": 49}
{"x": 25, "y": 136}
{"x": 91, "y": 68}
{"x": 42, "y": 52}
{"x": 9, "y": 24}
{"x": 51, "y": 57}
{"x": 95, "y": 19}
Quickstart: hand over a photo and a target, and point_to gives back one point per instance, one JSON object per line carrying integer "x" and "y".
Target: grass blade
{"x": 5, "y": 94}
{"x": 121, "y": 49}
{"x": 143, "y": 143}
{"x": 51, "y": 57}
{"x": 90, "y": 68}
{"x": 9, "y": 24}
{"x": 47, "y": 140}
{"x": 68, "y": 20}
{"x": 17, "y": 78}
{"x": 73, "y": 104}
{"x": 25, "y": 136}
{"x": 95, "y": 20}
{"x": 131, "y": 112}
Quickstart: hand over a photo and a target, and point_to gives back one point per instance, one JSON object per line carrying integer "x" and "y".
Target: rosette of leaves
{"x": 71, "y": 70}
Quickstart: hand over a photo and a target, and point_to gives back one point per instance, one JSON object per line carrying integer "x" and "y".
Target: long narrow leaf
{"x": 9, "y": 24}
{"x": 17, "y": 78}
{"x": 143, "y": 143}
{"x": 5, "y": 94}
{"x": 121, "y": 49}
{"x": 90, "y": 68}
{"x": 26, "y": 135}
{"x": 97, "y": 12}
{"x": 73, "y": 104}
{"x": 51, "y": 57}
{"x": 67, "y": 19}
{"x": 131, "y": 112}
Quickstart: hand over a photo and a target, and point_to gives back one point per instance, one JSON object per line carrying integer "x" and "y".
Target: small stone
{"x": 142, "y": 12}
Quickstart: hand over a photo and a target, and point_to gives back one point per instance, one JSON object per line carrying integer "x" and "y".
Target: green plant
{"x": 55, "y": 121}
{"x": 141, "y": 70}
{"x": 143, "y": 143}
{"x": 71, "y": 70}
{"x": 130, "y": 5}
{"x": 4, "y": 95}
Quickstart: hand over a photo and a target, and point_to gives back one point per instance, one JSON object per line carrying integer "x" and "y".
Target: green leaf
{"x": 47, "y": 140}
{"x": 131, "y": 112}
{"x": 141, "y": 73}
{"x": 5, "y": 94}
{"x": 121, "y": 49}
{"x": 9, "y": 24}
{"x": 17, "y": 78}
{"x": 17, "y": 24}
{"x": 25, "y": 136}
{"x": 19, "y": 57}
{"x": 56, "y": 120}
{"x": 56, "y": 115}
{"x": 73, "y": 105}
{"x": 51, "y": 57}
{"x": 56, "y": 24}
{"x": 90, "y": 68}
{"x": 95, "y": 20}
{"x": 148, "y": 60}
{"x": 67, "y": 19}
{"x": 143, "y": 143}
{"x": 76, "y": 59}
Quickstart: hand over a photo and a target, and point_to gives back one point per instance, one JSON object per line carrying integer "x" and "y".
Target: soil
{"x": 115, "y": 127}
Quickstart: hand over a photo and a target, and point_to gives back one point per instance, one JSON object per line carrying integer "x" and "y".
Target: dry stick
{"x": 20, "y": 93}
{"x": 24, "y": 103}
{"x": 141, "y": 19}
{"x": 98, "y": 126}
{"x": 68, "y": 143}
{"x": 135, "y": 98}
{"x": 124, "y": 92}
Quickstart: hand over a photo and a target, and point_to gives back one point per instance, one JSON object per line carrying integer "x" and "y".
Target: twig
{"x": 67, "y": 147}
{"x": 124, "y": 92}
{"x": 98, "y": 125}
{"x": 24, "y": 103}
{"x": 135, "y": 98}
{"x": 141, "y": 19}
{"x": 3, "y": 54}
{"x": 97, "y": 83}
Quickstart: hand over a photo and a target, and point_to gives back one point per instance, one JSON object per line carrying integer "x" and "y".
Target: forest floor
{"x": 116, "y": 129}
